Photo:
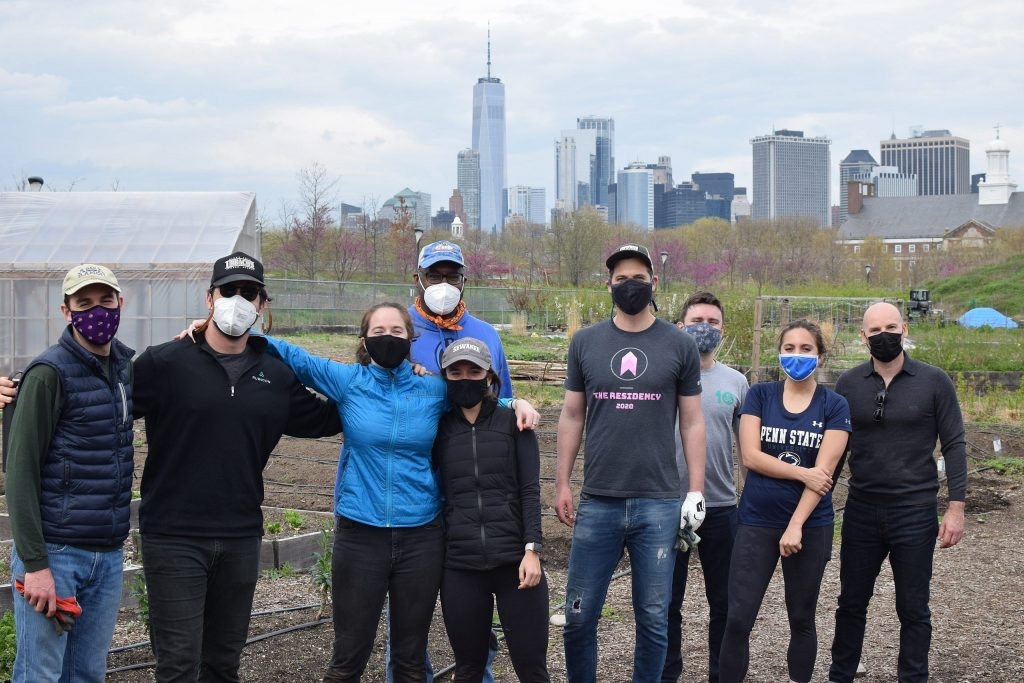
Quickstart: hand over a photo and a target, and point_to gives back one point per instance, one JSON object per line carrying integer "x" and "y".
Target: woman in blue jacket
{"x": 792, "y": 434}
{"x": 388, "y": 541}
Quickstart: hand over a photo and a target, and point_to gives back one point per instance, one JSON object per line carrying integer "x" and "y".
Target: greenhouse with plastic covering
{"x": 160, "y": 245}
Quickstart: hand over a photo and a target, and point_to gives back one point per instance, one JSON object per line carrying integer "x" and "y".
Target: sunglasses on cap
{"x": 247, "y": 292}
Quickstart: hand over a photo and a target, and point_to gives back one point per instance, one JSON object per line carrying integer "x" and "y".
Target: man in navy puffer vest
{"x": 69, "y": 481}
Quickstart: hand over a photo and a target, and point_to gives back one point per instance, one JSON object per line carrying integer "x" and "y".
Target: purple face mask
{"x": 98, "y": 324}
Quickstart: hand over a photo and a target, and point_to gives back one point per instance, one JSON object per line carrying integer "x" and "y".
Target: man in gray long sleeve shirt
{"x": 899, "y": 408}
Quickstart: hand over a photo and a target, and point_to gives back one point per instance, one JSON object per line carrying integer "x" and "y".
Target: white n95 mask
{"x": 442, "y": 299}
{"x": 233, "y": 315}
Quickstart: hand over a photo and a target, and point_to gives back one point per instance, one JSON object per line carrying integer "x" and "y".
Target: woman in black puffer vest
{"x": 490, "y": 481}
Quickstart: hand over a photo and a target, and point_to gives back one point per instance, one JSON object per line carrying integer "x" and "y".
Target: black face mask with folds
{"x": 632, "y": 296}
{"x": 466, "y": 393}
{"x": 386, "y": 350}
{"x": 885, "y": 346}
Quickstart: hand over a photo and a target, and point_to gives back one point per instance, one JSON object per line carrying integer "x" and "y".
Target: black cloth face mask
{"x": 632, "y": 296}
{"x": 386, "y": 350}
{"x": 466, "y": 393}
{"x": 885, "y": 346}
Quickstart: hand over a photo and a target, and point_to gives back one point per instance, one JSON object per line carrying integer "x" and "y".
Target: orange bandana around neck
{"x": 450, "y": 322}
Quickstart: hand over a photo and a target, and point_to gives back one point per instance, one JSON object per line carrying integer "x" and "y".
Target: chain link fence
{"x": 318, "y": 305}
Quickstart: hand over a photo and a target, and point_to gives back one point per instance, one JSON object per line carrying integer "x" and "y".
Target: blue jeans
{"x": 906, "y": 535}
{"x": 717, "y": 534}
{"x": 373, "y": 563}
{"x": 647, "y": 527}
{"x": 200, "y": 600}
{"x": 81, "y": 654}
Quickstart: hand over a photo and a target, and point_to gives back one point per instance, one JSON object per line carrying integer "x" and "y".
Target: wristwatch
{"x": 535, "y": 547}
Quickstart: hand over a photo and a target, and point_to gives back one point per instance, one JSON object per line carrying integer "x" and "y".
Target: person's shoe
{"x": 862, "y": 670}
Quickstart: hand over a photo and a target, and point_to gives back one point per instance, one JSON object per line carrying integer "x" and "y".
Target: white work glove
{"x": 692, "y": 512}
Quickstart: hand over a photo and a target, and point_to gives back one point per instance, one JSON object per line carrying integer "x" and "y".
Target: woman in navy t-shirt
{"x": 792, "y": 434}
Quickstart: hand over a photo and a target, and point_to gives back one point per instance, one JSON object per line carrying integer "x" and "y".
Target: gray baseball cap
{"x": 467, "y": 348}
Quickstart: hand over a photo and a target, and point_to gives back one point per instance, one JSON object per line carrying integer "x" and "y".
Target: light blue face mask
{"x": 797, "y": 366}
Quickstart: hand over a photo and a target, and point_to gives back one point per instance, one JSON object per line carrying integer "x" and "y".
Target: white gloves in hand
{"x": 692, "y": 512}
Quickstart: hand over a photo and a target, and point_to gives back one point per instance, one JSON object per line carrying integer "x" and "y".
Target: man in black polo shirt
{"x": 899, "y": 407}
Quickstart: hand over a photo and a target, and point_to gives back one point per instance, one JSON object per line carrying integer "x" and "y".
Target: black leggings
{"x": 467, "y": 602}
{"x": 754, "y": 557}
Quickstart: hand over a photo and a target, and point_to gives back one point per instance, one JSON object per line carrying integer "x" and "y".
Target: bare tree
{"x": 318, "y": 192}
{"x": 305, "y": 244}
{"x": 580, "y": 238}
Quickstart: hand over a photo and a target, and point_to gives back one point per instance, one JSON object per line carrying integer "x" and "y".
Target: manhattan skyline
{"x": 230, "y": 96}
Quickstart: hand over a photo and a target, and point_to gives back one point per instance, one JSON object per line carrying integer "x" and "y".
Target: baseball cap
{"x": 629, "y": 251}
{"x": 467, "y": 348}
{"x": 238, "y": 267}
{"x": 89, "y": 274}
{"x": 435, "y": 252}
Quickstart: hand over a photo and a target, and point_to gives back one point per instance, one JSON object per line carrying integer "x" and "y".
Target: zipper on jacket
{"x": 391, "y": 452}
{"x": 479, "y": 496}
{"x": 232, "y": 391}
{"x": 124, "y": 403}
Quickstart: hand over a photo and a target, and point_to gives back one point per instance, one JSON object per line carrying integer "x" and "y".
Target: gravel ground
{"x": 977, "y": 609}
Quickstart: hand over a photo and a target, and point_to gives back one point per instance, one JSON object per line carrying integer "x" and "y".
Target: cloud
{"x": 119, "y": 108}
{"x": 30, "y": 88}
{"x": 223, "y": 92}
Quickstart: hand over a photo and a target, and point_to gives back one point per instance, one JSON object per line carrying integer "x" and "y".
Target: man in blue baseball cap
{"x": 440, "y": 317}
{"x": 439, "y": 314}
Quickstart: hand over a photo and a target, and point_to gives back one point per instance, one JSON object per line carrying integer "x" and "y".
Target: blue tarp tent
{"x": 979, "y": 317}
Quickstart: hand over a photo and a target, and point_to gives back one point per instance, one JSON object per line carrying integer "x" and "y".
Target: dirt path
{"x": 977, "y": 609}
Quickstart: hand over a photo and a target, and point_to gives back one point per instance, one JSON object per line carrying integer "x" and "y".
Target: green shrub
{"x": 8, "y": 645}
{"x": 284, "y": 571}
{"x": 141, "y": 595}
{"x": 321, "y": 574}
{"x": 293, "y": 519}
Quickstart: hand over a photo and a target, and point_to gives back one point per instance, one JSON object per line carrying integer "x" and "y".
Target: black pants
{"x": 200, "y": 598}
{"x": 754, "y": 557}
{"x": 717, "y": 534}
{"x": 369, "y": 564}
{"x": 467, "y": 601}
{"x": 906, "y": 535}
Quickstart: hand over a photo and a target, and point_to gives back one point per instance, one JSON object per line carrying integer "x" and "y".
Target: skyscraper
{"x": 575, "y": 152}
{"x": 721, "y": 185}
{"x": 527, "y": 202}
{"x": 469, "y": 185}
{"x": 489, "y": 142}
{"x": 791, "y": 176}
{"x": 603, "y": 168}
{"x": 857, "y": 163}
{"x": 416, "y": 204}
{"x": 940, "y": 159}
{"x": 634, "y": 196}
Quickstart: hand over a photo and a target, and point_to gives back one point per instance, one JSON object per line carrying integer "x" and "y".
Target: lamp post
{"x": 867, "y": 273}
{"x": 35, "y": 183}
{"x": 664, "y": 259}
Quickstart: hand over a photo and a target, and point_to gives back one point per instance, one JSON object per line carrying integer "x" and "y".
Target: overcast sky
{"x": 241, "y": 94}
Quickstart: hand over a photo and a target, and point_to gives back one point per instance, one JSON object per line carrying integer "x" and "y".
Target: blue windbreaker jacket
{"x": 390, "y": 419}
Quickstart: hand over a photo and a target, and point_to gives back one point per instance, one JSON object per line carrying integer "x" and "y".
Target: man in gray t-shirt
{"x": 628, "y": 380}
{"x": 723, "y": 392}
